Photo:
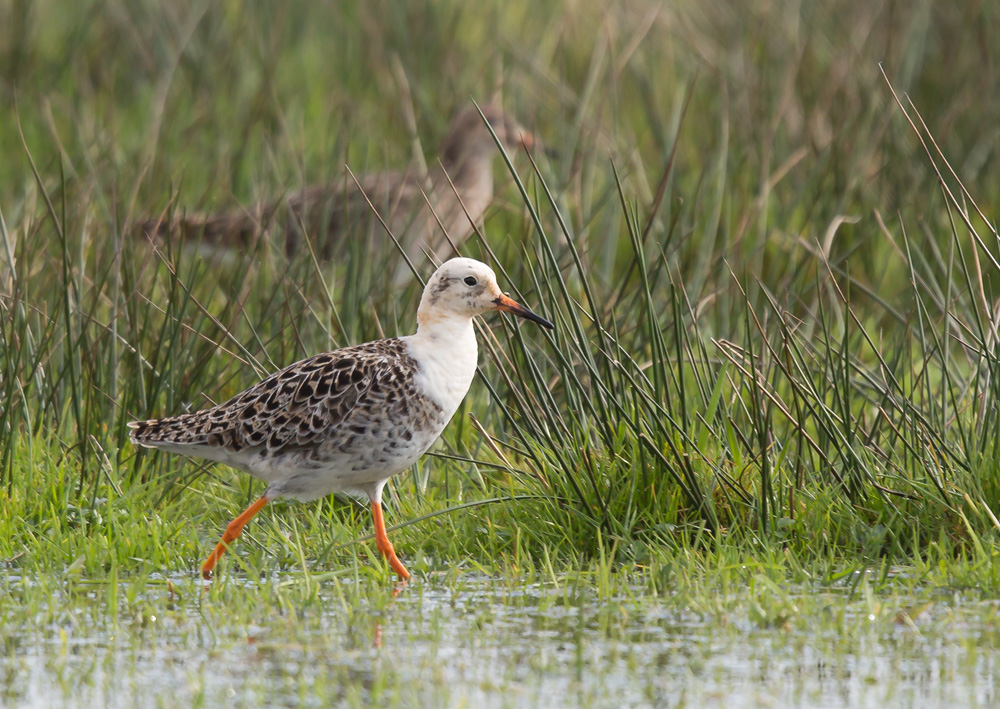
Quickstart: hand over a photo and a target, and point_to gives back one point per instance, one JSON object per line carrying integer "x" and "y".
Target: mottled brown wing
{"x": 300, "y": 406}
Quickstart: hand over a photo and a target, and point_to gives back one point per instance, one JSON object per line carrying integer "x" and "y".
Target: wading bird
{"x": 432, "y": 211}
{"x": 350, "y": 419}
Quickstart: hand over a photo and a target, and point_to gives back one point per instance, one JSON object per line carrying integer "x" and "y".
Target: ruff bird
{"x": 350, "y": 419}
{"x": 433, "y": 211}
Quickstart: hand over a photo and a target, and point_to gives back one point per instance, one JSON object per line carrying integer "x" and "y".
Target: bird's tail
{"x": 238, "y": 228}
{"x": 191, "y": 429}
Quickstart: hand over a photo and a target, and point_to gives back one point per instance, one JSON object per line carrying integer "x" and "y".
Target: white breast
{"x": 447, "y": 364}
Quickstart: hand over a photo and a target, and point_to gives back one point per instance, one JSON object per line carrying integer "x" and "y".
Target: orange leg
{"x": 384, "y": 545}
{"x": 234, "y": 530}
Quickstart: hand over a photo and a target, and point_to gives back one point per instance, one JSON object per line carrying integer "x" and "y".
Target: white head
{"x": 463, "y": 288}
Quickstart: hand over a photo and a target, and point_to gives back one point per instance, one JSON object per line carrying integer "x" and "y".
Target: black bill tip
{"x": 510, "y": 305}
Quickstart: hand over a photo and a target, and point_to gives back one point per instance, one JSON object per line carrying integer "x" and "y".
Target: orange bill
{"x": 509, "y": 305}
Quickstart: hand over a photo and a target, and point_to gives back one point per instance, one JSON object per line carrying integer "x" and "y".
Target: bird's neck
{"x": 470, "y": 168}
{"x": 442, "y": 329}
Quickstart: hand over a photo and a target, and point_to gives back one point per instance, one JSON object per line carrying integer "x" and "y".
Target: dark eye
{"x": 470, "y": 281}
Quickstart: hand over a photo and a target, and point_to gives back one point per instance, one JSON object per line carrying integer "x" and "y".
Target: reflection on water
{"x": 486, "y": 643}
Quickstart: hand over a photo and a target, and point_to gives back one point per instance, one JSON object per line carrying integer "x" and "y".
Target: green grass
{"x": 775, "y": 325}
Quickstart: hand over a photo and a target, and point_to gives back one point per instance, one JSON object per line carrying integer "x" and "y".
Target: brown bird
{"x": 431, "y": 211}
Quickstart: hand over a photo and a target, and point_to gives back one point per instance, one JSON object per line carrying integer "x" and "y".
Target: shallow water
{"x": 479, "y": 642}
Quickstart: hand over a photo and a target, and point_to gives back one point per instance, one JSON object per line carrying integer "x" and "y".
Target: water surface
{"x": 481, "y": 642}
